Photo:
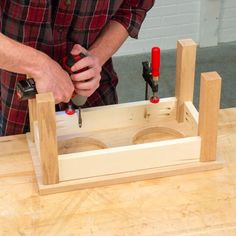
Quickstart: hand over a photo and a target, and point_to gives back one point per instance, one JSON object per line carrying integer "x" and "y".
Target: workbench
{"x": 192, "y": 204}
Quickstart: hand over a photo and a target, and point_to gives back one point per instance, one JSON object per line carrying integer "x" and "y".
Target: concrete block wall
{"x": 170, "y": 20}
{"x": 166, "y": 22}
{"x": 227, "y": 24}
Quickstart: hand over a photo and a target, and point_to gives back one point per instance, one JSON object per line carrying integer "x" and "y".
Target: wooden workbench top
{"x": 188, "y": 205}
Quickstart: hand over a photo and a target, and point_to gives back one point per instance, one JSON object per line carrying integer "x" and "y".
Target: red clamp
{"x": 154, "y": 99}
{"x": 156, "y": 59}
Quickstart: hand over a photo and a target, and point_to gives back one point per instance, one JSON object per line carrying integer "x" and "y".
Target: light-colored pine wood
{"x": 15, "y": 159}
{"x": 191, "y": 116}
{"x": 178, "y": 205}
{"x": 118, "y": 178}
{"x": 118, "y": 158}
{"x": 79, "y": 144}
{"x": 36, "y": 137}
{"x": 185, "y": 73}
{"x": 154, "y": 134}
{"x": 47, "y": 137}
{"x": 210, "y": 90}
{"x": 122, "y": 123}
{"x": 32, "y": 115}
{"x": 127, "y": 177}
{"x": 127, "y": 135}
{"x": 123, "y": 138}
{"x": 117, "y": 116}
{"x": 128, "y": 158}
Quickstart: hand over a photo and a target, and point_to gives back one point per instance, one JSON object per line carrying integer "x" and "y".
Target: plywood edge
{"x": 128, "y": 177}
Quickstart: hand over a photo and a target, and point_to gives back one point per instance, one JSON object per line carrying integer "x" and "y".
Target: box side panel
{"x": 129, "y": 158}
{"x": 116, "y": 116}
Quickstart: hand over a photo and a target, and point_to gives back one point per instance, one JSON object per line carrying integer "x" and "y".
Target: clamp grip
{"x": 156, "y": 58}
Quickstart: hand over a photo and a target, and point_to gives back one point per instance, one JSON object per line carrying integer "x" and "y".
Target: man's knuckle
{"x": 92, "y": 73}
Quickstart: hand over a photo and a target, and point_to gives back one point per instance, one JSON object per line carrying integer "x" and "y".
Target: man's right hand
{"x": 47, "y": 73}
{"x": 53, "y": 78}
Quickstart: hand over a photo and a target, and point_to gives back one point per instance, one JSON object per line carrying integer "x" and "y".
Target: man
{"x": 36, "y": 35}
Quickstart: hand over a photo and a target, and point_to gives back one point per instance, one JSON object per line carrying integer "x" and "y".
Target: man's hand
{"x": 47, "y": 73}
{"x": 85, "y": 82}
{"x": 52, "y": 78}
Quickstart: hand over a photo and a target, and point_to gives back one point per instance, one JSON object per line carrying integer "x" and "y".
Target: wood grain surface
{"x": 199, "y": 204}
{"x": 185, "y": 74}
{"x": 79, "y": 144}
{"x": 154, "y": 134}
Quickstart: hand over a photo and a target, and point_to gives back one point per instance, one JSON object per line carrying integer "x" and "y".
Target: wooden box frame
{"x": 116, "y": 125}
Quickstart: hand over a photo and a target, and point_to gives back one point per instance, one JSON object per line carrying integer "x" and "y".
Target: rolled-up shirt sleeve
{"x": 132, "y": 13}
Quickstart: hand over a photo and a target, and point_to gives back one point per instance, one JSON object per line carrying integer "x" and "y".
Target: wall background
{"x": 227, "y": 25}
{"x": 208, "y": 22}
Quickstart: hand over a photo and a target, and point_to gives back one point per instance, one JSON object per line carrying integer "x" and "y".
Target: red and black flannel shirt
{"x": 53, "y": 29}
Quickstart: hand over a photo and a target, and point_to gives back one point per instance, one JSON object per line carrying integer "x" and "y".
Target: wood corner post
{"x": 209, "y": 105}
{"x": 185, "y": 73}
{"x": 46, "y": 117}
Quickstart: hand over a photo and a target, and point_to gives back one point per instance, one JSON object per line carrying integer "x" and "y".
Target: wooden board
{"x": 118, "y": 178}
{"x": 45, "y": 107}
{"x": 16, "y": 149}
{"x": 210, "y": 90}
{"x": 126, "y": 156}
{"x": 129, "y": 158}
{"x": 117, "y": 156}
{"x": 116, "y": 117}
{"x": 185, "y": 74}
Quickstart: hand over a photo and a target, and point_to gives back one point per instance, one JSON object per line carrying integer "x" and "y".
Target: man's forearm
{"x": 109, "y": 41}
{"x": 19, "y": 58}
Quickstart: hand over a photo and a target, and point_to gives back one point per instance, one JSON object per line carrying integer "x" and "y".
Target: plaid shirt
{"x": 54, "y": 29}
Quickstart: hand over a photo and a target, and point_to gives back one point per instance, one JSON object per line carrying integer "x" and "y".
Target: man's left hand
{"x": 87, "y": 81}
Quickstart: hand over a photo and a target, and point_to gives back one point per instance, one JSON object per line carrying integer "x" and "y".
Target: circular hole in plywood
{"x": 79, "y": 144}
{"x": 154, "y": 134}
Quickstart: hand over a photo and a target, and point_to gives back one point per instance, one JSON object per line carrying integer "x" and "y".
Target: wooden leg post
{"x": 47, "y": 138}
{"x": 32, "y": 116}
{"x": 209, "y": 104}
{"x": 185, "y": 73}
